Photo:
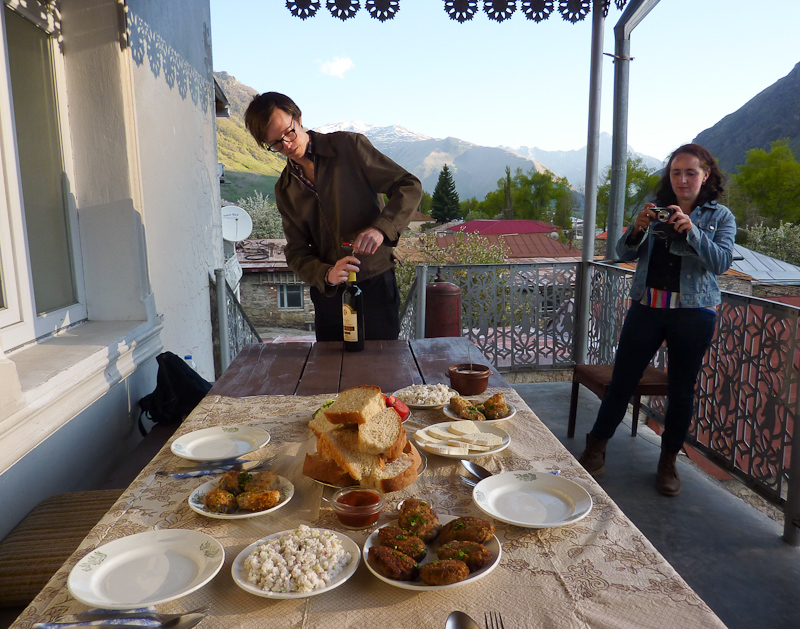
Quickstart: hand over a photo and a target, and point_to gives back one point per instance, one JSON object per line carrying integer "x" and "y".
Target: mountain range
{"x": 773, "y": 114}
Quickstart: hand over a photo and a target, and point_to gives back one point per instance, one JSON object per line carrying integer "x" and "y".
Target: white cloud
{"x": 337, "y": 67}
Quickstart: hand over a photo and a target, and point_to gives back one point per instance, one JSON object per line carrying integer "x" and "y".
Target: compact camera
{"x": 663, "y": 213}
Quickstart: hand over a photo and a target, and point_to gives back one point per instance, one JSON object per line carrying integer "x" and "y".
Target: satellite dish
{"x": 236, "y": 223}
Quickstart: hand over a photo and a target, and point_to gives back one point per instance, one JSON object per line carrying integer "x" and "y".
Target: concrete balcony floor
{"x": 729, "y": 552}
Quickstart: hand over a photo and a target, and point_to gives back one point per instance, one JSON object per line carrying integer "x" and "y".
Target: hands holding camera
{"x": 671, "y": 215}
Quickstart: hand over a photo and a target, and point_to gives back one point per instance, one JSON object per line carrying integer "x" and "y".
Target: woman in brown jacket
{"x": 330, "y": 193}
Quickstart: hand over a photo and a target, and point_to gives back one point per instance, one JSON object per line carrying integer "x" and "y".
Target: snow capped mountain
{"x": 393, "y": 133}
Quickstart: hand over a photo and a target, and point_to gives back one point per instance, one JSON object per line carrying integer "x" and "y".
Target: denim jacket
{"x": 706, "y": 252}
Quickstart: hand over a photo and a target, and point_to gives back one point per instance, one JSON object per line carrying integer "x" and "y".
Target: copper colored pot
{"x": 469, "y": 378}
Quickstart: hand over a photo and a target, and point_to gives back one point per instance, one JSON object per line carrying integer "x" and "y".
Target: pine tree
{"x": 445, "y": 205}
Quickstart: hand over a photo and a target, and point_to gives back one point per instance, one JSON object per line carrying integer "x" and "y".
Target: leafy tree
{"x": 444, "y": 205}
{"x": 266, "y": 219}
{"x": 770, "y": 181}
{"x": 782, "y": 242}
{"x": 465, "y": 249}
{"x": 641, "y": 183}
{"x": 425, "y": 203}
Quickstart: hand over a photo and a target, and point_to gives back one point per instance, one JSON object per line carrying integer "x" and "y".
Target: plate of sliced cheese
{"x": 463, "y": 439}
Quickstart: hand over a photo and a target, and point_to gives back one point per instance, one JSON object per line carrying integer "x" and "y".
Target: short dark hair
{"x": 713, "y": 187}
{"x": 260, "y": 110}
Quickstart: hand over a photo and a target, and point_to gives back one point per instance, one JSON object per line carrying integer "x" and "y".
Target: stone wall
{"x": 260, "y": 302}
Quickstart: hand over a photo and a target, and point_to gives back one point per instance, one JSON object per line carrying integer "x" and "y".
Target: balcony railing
{"x": 522, "y": 317}
{"x": 231, "y": 327}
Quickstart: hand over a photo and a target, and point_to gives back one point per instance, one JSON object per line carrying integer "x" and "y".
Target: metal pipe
{"x": 222, "y": 319}
{"x": 422, "y": 285}
{"x": 635, "y": 12}
{"x": 791, "y": 508}
{"x": 590, "y": 191}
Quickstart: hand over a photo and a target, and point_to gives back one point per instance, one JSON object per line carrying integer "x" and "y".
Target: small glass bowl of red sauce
{"x": 358, "y": 507}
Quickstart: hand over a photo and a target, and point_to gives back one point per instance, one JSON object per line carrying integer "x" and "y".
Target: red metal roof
{"x": 524, "y": 245}
{"x": 495, "y": 226}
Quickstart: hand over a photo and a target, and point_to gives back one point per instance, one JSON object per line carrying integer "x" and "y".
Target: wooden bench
{"x": 597, "y": 379}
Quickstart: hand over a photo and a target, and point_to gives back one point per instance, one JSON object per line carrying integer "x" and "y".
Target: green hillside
{"x": 248, "y": 168}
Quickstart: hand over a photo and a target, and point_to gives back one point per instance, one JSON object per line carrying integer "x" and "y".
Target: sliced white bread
{"x": 342, "y": 446}
{"x": 464, "y": 427}
{"x": 398, "y": 474}
{"x": 320, "y": 423}
{"x": 326, "y": 471}
{"x": 382, "y": 434}
{"x": 356, "y": 405}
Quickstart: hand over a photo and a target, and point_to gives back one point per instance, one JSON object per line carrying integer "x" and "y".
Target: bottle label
{"x": 350, "y": 321}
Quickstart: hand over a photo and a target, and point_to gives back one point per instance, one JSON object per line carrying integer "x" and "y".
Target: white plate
{"x": 453, "y": 415}
{"x": 146, "y": 569}
{"x": 493, "y": 545}
{"x": 220, "y": 443}
{"x": 423, "y": 465}
{"x": 481, "y": 426}
{"x": 197, "y": 501}
{"x": 424, "y": 407}
{"x": 240, "y": 576}
{"x": 532, "y": 499}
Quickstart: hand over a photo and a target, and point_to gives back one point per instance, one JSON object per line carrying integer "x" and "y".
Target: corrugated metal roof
{"x": 523, "y": 245}
{"x": 262, "y": 255}
{"x": 764, "y": 269}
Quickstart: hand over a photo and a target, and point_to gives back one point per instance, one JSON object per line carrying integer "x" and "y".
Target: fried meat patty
{"x": 417, "y": 517}
{"x": 475, "y": 555}
{"x": 392, "y": 563}
{"x": 402, "y": 540}
{"x": 220, "y": 501}
{"x": 444, "y": 572}
{"x": 467, "y": 529}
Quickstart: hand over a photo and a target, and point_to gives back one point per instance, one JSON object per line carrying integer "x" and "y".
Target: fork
{"x": 493, "y": 620}
{"x": 147, "y": 614}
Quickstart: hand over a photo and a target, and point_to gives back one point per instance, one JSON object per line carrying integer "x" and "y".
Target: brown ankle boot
{"x": 667, "y": 481}
{"x": 593, "y": 457}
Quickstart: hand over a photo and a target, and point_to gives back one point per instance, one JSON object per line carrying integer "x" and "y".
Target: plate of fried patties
{"x": 425, "y": 551}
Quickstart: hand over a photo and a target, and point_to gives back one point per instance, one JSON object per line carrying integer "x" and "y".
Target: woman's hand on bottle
{"x": 368, "y": 241}
{"x": 339, "y": 272}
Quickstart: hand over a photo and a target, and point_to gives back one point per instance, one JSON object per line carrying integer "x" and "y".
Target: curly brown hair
{"x": 712, "y": 188}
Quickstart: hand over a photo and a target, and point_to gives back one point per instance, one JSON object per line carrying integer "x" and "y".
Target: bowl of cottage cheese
{"x": 297, "y": 563}
{"x": 425, "y": 396}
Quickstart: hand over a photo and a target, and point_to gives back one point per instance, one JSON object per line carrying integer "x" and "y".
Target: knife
{"x": 219, "y": 467}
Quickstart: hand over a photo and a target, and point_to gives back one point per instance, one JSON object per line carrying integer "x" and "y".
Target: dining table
{"x": 597, "y": 571}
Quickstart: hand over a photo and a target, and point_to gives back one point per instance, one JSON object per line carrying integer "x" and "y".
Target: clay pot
{"x": 469, "y": 378}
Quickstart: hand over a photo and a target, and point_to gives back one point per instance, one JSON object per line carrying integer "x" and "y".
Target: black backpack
{"x": 179, "y": 388}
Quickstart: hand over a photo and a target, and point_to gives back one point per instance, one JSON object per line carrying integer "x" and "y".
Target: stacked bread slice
{"x": 361, "y": 441}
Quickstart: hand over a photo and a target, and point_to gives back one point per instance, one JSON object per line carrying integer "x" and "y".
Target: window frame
{"x": 19, "y": 322}
{"x": 283, "y": 296}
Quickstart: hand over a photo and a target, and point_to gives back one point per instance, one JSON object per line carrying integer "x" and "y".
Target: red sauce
{"x": 359, "y": 499}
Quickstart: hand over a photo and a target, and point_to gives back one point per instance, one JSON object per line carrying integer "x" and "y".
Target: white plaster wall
{"x": 176, "y": 132}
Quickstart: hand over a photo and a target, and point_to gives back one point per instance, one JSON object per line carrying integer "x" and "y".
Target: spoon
{"x": 460, "y": 620}
{"x": 476, "y": 470}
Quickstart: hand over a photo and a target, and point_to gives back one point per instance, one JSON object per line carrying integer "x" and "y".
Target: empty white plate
{"x": 220, "y": 443}
{"x": 146, "y": 569}
{"x": 532, "y": 499}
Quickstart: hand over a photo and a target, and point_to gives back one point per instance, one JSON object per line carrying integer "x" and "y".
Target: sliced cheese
{"x": 474, "y": 447}
{"x": 464, "y": 427}
{"x": 433, "y": 431}
{"x": 483, "y": 439}
{"x": 424, "y": 437}
{"x": 437, "y": 448}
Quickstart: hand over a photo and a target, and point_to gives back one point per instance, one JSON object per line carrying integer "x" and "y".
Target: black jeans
{"x": 381, "y": 299}
{"x": 688, "y": 333}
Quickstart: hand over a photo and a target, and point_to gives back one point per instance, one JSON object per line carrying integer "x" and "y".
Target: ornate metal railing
{"x": 231, "y": 327}
{"x": 522, "y": 318}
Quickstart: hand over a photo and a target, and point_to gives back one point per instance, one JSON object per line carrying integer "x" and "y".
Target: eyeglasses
{"x": 289, "y": 136}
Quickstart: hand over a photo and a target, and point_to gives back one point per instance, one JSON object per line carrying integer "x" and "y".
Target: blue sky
{"x": 512, "y": 83}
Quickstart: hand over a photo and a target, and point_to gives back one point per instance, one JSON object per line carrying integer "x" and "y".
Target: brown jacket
{"x": 350, "y": 175}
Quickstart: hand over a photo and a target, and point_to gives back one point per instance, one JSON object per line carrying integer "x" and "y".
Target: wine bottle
{"x": 353, "y": 315}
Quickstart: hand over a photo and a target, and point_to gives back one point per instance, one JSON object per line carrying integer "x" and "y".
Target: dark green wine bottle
{"x": 353, "y": 315}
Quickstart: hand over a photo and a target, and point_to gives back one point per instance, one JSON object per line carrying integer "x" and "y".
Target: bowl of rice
{"x": 297, "y": 563}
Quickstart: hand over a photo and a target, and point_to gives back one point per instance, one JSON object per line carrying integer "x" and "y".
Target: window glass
{"x": 290, "y": 296}
{"x": 41, "y": 163}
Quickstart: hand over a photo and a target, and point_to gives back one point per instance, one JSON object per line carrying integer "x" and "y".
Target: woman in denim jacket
{"x": 681, "y": 244}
